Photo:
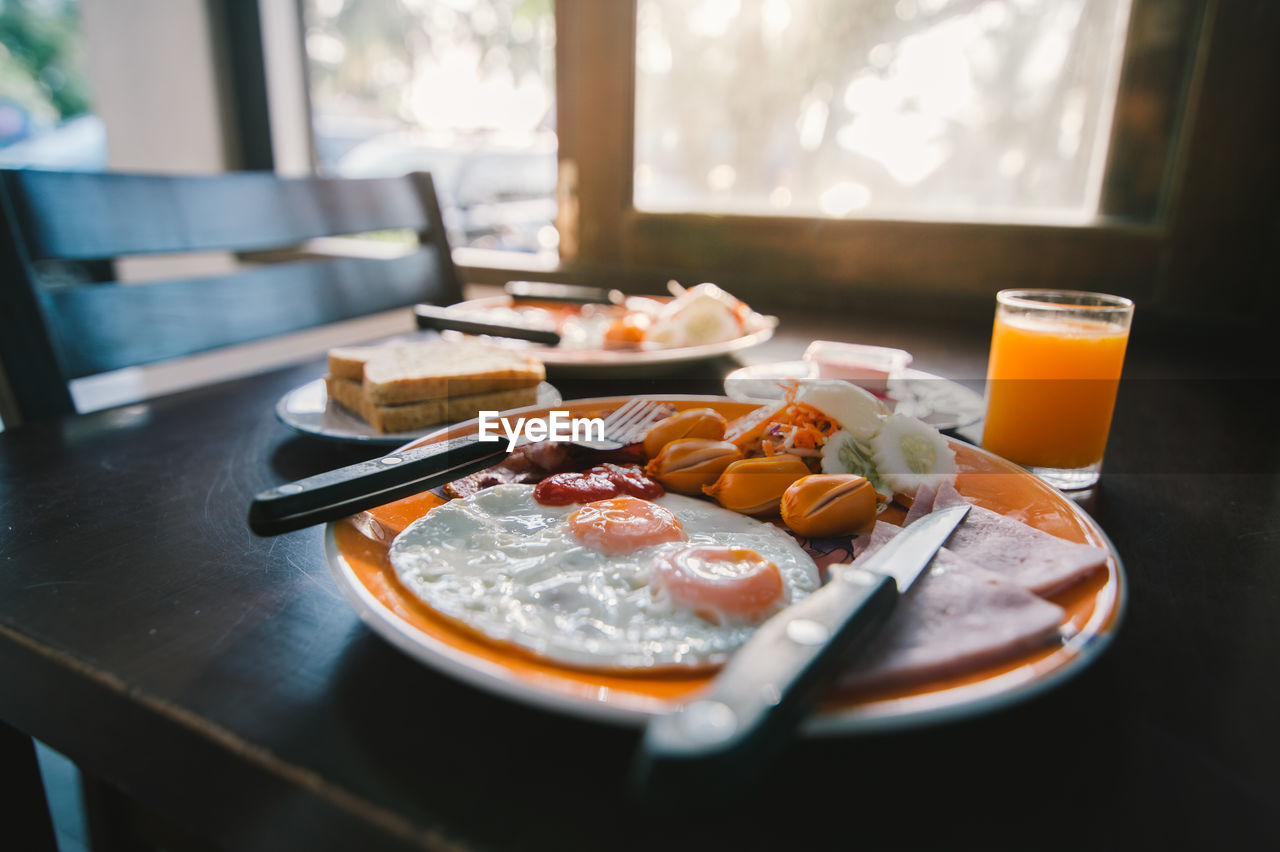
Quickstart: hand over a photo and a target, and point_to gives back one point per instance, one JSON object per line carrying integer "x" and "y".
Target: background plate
{"x": 941, "y": 403}
{"x": 357, "y": 553}
{"x": 568, "y": 361}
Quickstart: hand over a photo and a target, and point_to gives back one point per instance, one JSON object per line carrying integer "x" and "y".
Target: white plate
{"x": 309, "y": 410}
{"x": 356, "y": 552}
{"x": 565, "y": 360}
{"x": 941, "y": 403}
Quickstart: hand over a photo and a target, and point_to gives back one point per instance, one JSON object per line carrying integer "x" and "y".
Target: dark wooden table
{"x": 222, "y": 683}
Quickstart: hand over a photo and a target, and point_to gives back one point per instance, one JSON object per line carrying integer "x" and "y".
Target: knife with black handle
{"x": 429, "y": 316}
{"x": 546, "y": 291}
{"x": 337, "y": 493}
{"x": 716, "y": 742}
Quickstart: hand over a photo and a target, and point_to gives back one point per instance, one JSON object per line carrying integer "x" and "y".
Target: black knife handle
{"x": 429, "y": 316}
{"x": 721, "y": 739}
{"x": 338, "y": 493}
{"x": 547, "y": 291}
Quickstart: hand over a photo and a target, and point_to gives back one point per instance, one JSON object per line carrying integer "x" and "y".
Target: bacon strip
{"x": 533, "y": 463}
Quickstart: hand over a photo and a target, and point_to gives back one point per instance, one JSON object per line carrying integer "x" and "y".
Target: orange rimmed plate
{"x": 357, "y": 549}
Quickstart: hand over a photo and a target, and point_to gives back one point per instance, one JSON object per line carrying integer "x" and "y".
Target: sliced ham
{"x": 921, "y": 504}
{"x": 955, "y": 618}
{"x": 1032, "y": 558}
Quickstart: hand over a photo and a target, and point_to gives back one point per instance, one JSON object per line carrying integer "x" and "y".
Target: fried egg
{"x": 615, "y": 584}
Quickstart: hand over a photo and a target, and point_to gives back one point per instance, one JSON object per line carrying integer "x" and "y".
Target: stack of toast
{"x": 404, "y": 387}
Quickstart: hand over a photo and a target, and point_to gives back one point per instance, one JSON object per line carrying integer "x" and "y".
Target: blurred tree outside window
{"x": 464, "y": 89}
{"x": 45, "y": 111}
{"x": 973, "y": 110}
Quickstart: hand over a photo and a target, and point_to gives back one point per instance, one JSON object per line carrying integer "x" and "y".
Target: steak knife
{"x": 717, "y": 741}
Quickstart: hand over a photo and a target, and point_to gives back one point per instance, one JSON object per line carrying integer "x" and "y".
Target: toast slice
{"x": 413, "y": 372}
{"x": 412, "y": 416}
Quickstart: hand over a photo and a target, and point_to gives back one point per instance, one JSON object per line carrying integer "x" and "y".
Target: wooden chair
{"x": 54, "y": 331}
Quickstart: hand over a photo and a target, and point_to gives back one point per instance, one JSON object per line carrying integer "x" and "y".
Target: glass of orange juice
{"x": 1052, "y": 379}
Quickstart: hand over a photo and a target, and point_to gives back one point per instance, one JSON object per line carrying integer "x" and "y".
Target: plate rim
{"x": 848, "y": 721}
{"x": 391, "y": 440}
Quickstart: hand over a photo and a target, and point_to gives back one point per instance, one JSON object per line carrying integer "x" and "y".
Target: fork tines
{"x": 629, "y": 423}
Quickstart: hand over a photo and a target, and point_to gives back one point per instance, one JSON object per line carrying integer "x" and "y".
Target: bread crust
{"x": 407, "y": 417}
{"x": 413, "y": 372}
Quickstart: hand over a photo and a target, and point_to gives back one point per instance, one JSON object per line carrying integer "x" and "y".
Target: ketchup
{"x": 602, "y": 482}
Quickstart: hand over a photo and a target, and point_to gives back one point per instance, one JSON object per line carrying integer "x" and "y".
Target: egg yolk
{"x": 722, "y": 584}
{"x": 624, "y": 524}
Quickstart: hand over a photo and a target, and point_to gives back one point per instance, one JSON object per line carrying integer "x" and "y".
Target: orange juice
{"x": 1051, "y": 389}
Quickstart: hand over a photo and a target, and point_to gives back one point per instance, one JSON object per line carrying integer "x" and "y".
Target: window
{"x": 917, "y": 109}
{"x": 875, "y": 146}
{"x": 464, "y": 90}
{"x": 45, "y": 114}
{"x": 1159, "y": 152}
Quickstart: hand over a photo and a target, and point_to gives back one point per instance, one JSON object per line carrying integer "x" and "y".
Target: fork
{"x": 628, "y": 424}
{"x": 411, "y": 470}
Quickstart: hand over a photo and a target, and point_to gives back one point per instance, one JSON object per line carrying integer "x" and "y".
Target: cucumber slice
{"x": 843, "y": 453}
{"x": 908, "y": 453}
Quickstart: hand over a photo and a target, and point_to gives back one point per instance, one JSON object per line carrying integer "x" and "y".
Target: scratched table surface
{"x": 221, "y": 683}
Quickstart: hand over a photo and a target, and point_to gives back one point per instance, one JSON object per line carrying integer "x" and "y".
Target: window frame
{"x": 1207, "y": 211}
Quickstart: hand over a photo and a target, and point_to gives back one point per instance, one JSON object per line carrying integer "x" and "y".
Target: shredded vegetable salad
{"x": 790, "y": 427}
{"x": 837, "y": 428}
